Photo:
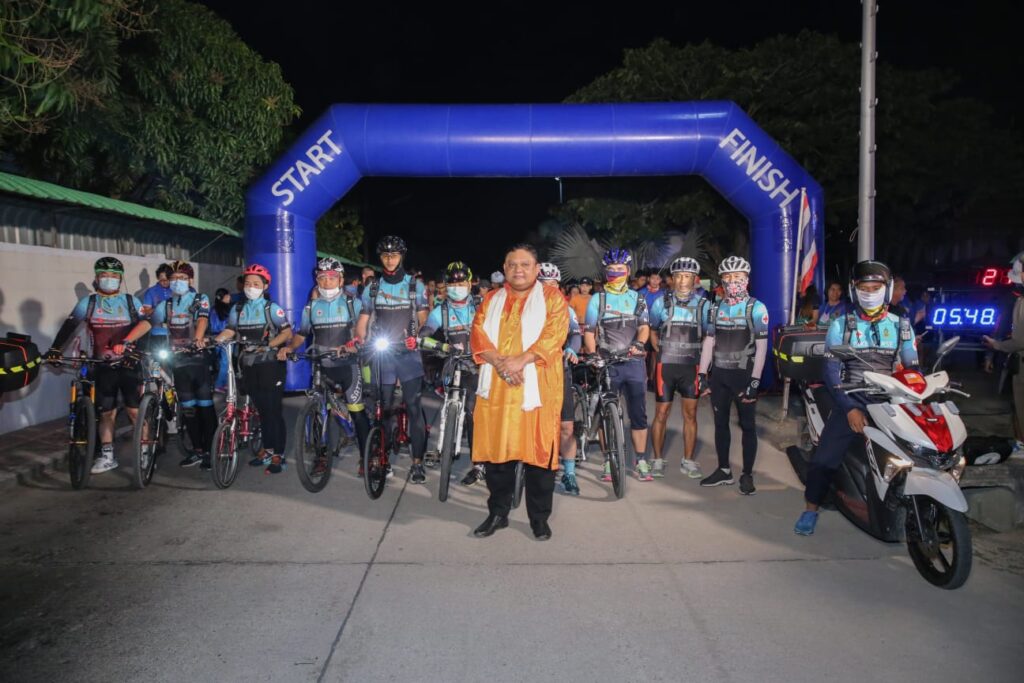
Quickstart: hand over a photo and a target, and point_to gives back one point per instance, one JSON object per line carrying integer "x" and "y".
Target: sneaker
{"x": 717, "y": 478}
{"x": 262, "y": 459}
{"x": 643, "y": 471}
{"x": 418, "y": 474}
{"x": 277, "y": 465}
{"x": 658, "y": 468}
{"x": 361, "y": 472}
{"x": 104, "y": 463}
{"x": 431, "y": 459}
{"x": 607, "y": 474}
{"x": 569, "y": 485}
{"x": 805, "y": 525}
{"x": 747, "y": 485}
{"x": 205, "y": 461}
{"x": 320, "y": 467}
{"x": 190, "y": 460}
{"x": 691, "y": 469}
{"x": 475, "y": 474}
{"x": 389, "y": 473}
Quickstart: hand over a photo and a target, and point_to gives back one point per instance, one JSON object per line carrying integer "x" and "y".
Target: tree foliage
{"x": 194, "y": 115}
{"x": 939, "y": 155}
{"x": 340, "y": 232}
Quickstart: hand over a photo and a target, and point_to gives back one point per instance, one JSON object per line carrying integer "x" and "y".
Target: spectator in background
{"x": 899, "y": 293}
{"x": 354, "y": 286}
{"x": 652, "y": 290}
{"x": 239, "y": 295}
{"x": 154, "y": 296}
{"x": 578, "y": 302}
{"x": 639, "y": 280}
{"x": 218, "y": 320}
{"x": 835, "y": 305}
{"x": 497, "y": 279}
{"x": 807, "y": 309}
{"x": 572, "y": 290}
{"x": 431, "y": 289}
{"x": 484, "y": 287}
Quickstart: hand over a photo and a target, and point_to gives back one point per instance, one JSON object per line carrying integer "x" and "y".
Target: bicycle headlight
{"x": 163, "y": 354}
{"x": 381, "y": 344}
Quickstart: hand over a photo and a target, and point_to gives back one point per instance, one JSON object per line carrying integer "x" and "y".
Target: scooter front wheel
{"x": 939, "y": 543}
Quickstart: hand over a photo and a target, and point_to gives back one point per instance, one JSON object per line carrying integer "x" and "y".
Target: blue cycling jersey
{"x": 681, "y": 329}
{"x": 619, "y": 323}
{"x": 184, "y": 312}
{"x": 734, "y": 340}
{"x": 110, "y": 320}
{"x": 330, "y": 322}
{"x": 393, "y": 309}
{"x": 256, "y": 320}
{"x": 460, "y": 321}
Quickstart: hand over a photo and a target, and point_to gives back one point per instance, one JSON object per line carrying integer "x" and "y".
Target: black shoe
{"x": 205, "y": 464}
{"x": 419, "y": 475}
{"x": 717, "y": 478}
{"x": 190, "y": 460}
{"x": 474, "y": 475}
{"x": 747, "y": 485}
{"x": 541, "y": 530}
{"x": 490, "y": 525}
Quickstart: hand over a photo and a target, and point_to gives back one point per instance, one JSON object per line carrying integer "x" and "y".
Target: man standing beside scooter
{"x": 879, "y": 337}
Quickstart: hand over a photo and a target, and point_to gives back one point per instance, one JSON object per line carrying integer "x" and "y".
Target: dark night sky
{"x": 514, "y": 52}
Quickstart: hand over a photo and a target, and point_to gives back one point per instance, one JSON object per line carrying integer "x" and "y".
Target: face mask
{"x": 328, "y": 293}
{"x": 616, "y": 282}
{"x": 109, "y": 284}
{"x": 253, "y": 293}
{"x": 737, "y": 289}
{"x": 458, "y": 293}
{"x": 351, "y": 290}
{"x": 179, "y": 287}
{"x": 871, "y": 301}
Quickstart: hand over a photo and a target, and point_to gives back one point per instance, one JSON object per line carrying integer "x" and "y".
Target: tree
{"x": 939, "y": 154}
{"x": 340, "y": 232}
{"x": 195, "y": 115}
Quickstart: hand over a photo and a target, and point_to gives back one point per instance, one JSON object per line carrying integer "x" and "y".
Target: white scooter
{"x": 902, "y": 485}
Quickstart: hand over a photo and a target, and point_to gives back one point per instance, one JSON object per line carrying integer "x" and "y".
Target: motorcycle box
{"x": 987, "y": 450}
{"x": 799, "y": 353}
{"x": 19, "y": 362}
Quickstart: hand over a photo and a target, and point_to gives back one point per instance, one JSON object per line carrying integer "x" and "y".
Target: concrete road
{"x": 266, "y": 582}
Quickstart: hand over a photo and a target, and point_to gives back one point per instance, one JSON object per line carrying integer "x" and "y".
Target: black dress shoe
{"x": 490, "y": 525}
{"x": 541, "y": 530}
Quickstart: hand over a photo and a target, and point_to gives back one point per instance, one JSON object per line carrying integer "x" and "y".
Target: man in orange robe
{"x": 517, "y": 339}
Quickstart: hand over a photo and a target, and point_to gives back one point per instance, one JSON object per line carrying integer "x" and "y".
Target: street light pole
{"x": 868, "y": 102}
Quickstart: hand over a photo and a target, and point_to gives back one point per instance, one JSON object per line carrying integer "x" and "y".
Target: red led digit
{"x": 990, "y": 277}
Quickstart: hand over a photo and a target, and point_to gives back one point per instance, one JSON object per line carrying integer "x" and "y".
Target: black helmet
{"x": 457, "y": 271}
{"x": 108, "y": 264}
{"x": 870, "y": 271}
{"x": 391, "y": 243}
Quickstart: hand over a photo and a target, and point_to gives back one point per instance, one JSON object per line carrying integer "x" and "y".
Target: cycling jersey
{"x": 330, "y": 323}
{"x": 178, "y": 316}
{"x": 616, "y": 319}
{"x": 735, "y": 327}
{"x": 574, "y": 341}
{"x": 254, "y": 321}
{"x": 456, "y": 329}
{"x": 681, "y": 327}
{"x": 392, "y": 307}
{"x": 108, "y": 320}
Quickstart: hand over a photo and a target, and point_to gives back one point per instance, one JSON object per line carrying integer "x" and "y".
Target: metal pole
{"x": 868, "y": 103}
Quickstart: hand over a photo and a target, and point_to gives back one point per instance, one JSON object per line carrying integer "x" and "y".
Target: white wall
{"x": 38, "y": 288}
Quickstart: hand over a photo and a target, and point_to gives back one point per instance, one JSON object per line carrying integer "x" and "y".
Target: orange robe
{"x": 502, "y": 432}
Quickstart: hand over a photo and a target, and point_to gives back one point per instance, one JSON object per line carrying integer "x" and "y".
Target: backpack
{"x": 193, "y": 307}
{"x": 348, "y": 302}
{"x": 375, "y": 288}
{"x": 132, "y": 313}
{"x": 670, "y": 305}
{"x": 641, "y": 306}
{"x": 268, "y": 325}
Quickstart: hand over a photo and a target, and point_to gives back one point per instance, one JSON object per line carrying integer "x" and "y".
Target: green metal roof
{"x": 28, "y": 187}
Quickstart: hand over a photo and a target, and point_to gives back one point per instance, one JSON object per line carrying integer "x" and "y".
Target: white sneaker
{"x": 658, "y": 468}
{"x": 690, "y": 468}
{"x": 104, "y": 463}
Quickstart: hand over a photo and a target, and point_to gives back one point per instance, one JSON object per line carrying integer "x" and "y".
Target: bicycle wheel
{"x": 184, "y": 438}
{"x": 448, "y": 449}
{"x": 517, "y": 493}
{"x": 579, "y": 423}
{"x": 224, "y": 459}
{"x": 145, "y": 438}
{"x": 313, "y": 451}
{"x": 375, "y": 463}
{"x": 614, "y": 446}
{"x": 255, "y": 434}
{"x": 82, "y": 445}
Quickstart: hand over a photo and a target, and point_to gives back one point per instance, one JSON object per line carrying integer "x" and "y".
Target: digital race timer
{"x": 951, "y": 315}
{"x": 991, "y": 277}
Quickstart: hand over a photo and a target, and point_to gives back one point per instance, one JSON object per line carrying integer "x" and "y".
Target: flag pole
{"x": 796, "y": 285}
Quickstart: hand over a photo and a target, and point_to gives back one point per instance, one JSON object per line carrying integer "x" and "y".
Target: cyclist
{"x": 395, "y": 308}
{"x": 262, "y": 329}
{"x": 679, "y": 322}
{"x": 185, "y": 318}
{"x": 737, "y": 345}
{"x": 453, "y": 318}
{"x": 551, "y": 276}
{"x": 617, "y": 321}
{"x": 109, "y": 315}
{"x": 329, "y": 317}
{"x": 881, "y": 337}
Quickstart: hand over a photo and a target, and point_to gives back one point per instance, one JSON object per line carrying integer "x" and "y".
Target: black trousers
{"x": 539, "y": 488}
{"x": 726, "y": 384}
{"x": 836, "y": 439}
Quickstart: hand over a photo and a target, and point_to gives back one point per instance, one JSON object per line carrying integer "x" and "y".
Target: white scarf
{"x": 535, "y": 313}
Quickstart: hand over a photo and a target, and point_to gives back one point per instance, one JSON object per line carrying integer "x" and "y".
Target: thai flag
{"x": 807, "y": 245}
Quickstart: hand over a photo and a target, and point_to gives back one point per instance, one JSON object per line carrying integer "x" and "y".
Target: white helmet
{"x": 497, "y": 277}
{"x": 549, "y": 271}
{"x": 685, "y": 264}
{"x": 734, "y": 264}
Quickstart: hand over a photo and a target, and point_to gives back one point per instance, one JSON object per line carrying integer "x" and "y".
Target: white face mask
{"x": 328, "y": 293}
{"x": 253, "y": 293}
{"x": 870, "y": 301}
{"x": 458, "y": 293}
{"x": 109, "y": 284}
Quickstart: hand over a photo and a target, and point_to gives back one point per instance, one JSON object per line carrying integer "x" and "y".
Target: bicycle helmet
{"x": 457, "y": 271}
{"x": 183, "y": 267}
{"x": 108, "y": 264}
{"x": 497, "y": 278}
{"x": 1016, "y": 273}
{"x": 870, "y": 271}
{"x": 390, "y": 244}
{"x": 257, "y": 269}
{"x": 617, "y": 256}
{"x": 734, "y": 264}
{"x": 329, "y": 264}
{"x": 549, "y": 271}
{"x": 684, "y": 264}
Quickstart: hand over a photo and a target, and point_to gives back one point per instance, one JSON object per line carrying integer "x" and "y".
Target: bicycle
{"x": 82, "y": 420}
{"x": 586, "y": 393}
{"x": 453, "y": 411}
{"x": 314, "y": 450}
{"x": 239, "y": 426}
{"x": 613, "y": 443}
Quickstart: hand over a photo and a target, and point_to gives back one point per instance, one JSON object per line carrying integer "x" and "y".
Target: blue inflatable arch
{"x": 715, "y": 140}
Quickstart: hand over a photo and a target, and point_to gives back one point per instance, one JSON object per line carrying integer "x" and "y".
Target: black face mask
{"x": 222, "y": 308}
{"x": 395, "y": 277}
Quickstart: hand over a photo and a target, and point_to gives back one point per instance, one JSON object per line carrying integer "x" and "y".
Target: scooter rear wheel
{"x": 944, "y": 556}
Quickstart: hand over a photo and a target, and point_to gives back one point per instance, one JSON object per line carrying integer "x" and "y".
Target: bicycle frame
{"x": 232, "y": 411}
{"x": 454, "y": 393}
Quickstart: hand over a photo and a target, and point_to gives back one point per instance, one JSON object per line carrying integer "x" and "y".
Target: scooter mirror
{"x": 943, "y": 351}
